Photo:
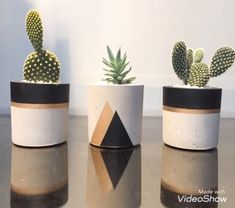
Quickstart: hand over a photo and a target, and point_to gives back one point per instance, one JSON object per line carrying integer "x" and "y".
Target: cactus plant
{"x": 189, "y": 67}
{"x": 41, "y": 65}
{"x": 117, "y": 71}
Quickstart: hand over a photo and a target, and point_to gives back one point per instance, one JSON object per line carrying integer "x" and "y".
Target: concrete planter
{"x": 188, "y": 174}
{"x": 115, "y": 115}
{"x": 39, "y": 113}
{"x": 39, "y": 176}
{"x": 191, "y": 117}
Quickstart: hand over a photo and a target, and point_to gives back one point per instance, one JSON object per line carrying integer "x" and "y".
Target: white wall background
{"x": 79, "y": 30}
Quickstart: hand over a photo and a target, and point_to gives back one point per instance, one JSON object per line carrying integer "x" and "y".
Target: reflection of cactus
{"x": 41, "y": 65}
{"x": 117, "y": 72}
{"x": 189, "y": 68}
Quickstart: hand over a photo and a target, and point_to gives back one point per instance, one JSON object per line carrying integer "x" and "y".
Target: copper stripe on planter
{"x": 190, "y": 111}
{"x": 22, "y": 92}
{"x": 40, "y": 106}
{"x": 192, "y": 98}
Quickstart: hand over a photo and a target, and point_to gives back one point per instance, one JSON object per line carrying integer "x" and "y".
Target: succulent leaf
{"x": 199, "y": 75}
{"x": 117, "y": 68}
{"x": 179, "y": 60}
{"x": 221, "y": 61}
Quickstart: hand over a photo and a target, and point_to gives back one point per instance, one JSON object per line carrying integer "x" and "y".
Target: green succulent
{"x": 189, "y": 67}
{"x": 41, "y": 65}
{"x": 117, "y": 68}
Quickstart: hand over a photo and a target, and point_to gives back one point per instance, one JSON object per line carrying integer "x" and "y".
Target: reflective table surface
{"x": 75, "y": 174}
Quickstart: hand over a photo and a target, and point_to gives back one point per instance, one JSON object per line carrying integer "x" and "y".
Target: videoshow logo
{"x": 205, "y": 196}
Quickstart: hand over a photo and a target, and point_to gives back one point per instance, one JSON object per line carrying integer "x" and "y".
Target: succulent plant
{"x": 189, "y": 67}
{"x": 41, "y": 65}
{"x": 117, "y": 71}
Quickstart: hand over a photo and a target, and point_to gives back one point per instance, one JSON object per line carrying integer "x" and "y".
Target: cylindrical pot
{"x": 115, "y": 115}
{"x": 187, "y": 177}
{"x": 191, "y": 117}
{"x": 114, "y": 178}
{"x": 39, "y": 113}
{"x": 39, "y": 176}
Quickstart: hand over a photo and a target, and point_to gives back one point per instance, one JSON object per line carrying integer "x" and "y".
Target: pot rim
{"x": 191, "y": 88}
{"x": 114, "y": 85}
{"x": 34, "y": 83}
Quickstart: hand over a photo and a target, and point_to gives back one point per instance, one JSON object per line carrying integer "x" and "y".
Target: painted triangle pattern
{"x": 102, "y": 125}
{"x": 116, "y": 135}
{"x": 116, "y": 162}
{"x": 110, "y": 131}
{"x": 101, "y": 171}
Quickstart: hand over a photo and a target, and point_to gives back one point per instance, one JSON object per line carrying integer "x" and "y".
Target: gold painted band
{"x": 190, "y": 111}
{"x": 39, "y": 106}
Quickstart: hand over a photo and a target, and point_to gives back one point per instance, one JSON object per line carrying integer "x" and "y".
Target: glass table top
{"x": 76, "y": 174}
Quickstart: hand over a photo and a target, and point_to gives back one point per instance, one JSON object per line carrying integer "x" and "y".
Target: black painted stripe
{"x": 192, "y": 98}
{"x": 22, "y": 92}
{"x": 52, "y": 199}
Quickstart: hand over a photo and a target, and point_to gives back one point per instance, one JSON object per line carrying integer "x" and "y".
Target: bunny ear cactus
{"x": 41, "y": 65}
{"x": 117, "y": 71}
{"x": 190, "y": 69}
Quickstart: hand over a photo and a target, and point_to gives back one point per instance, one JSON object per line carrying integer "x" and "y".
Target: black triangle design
{"x": 116, "y": 135}
{"x": 116, "y": 162}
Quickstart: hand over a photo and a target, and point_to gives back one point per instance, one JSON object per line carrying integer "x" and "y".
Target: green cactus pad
{"x": 198, "y": 55}
{"x": 34, "y": 29}
{"x": 221, "y": 61}
{"x": 199, "y": 75}
{"x": 179, "y": 61}
{"x": 42, "y": 66}
{"x": 189, "y": 58}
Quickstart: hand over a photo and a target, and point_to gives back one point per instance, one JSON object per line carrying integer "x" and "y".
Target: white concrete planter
{"x": 39, "y": 113}
{"x": 39, "y": 176}
{"x": 188, "y": 173}
{"x": 191, "y": 117}
{"x": 115, "y": 115}
{"x": 114, "y": 178}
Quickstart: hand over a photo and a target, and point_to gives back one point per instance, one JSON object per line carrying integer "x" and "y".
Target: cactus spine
{"x": 189, "y": 67}
{"x": 41, "y": 65}
{"x": 117, "y": 71}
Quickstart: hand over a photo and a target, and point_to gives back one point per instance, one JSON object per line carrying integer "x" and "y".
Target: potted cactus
{"x": 115, "y": 107}
{"x": 191, "y": 113}
{"x": 39, "y": 103}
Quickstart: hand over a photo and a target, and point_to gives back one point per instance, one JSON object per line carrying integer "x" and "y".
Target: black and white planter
{"x": 39, "y": 176}
{"x": 115, "y": 115}
{"x": 114, "y": 178}
{"x": 39, "y": 113}
{"x": 191, "y": 117}
{"x": 187, "y": 177}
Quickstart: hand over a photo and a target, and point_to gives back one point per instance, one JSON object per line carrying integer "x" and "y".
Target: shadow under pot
{"x": 115, "y": 115}
{"x": 189, "y": 179}
{"x": 39, "y": 177}
{"x": 191, "y": 117}
{"x": 39, "y": 113}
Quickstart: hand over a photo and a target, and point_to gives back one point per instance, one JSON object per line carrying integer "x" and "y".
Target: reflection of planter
{"x": 114, "y": 178}
{"x": 115, "y": 115}
{"x": 39, "y": 177}
{"x": 39, "y": 113}
{"x": 184, "y": 173}
{"x": 191, "y": 117}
